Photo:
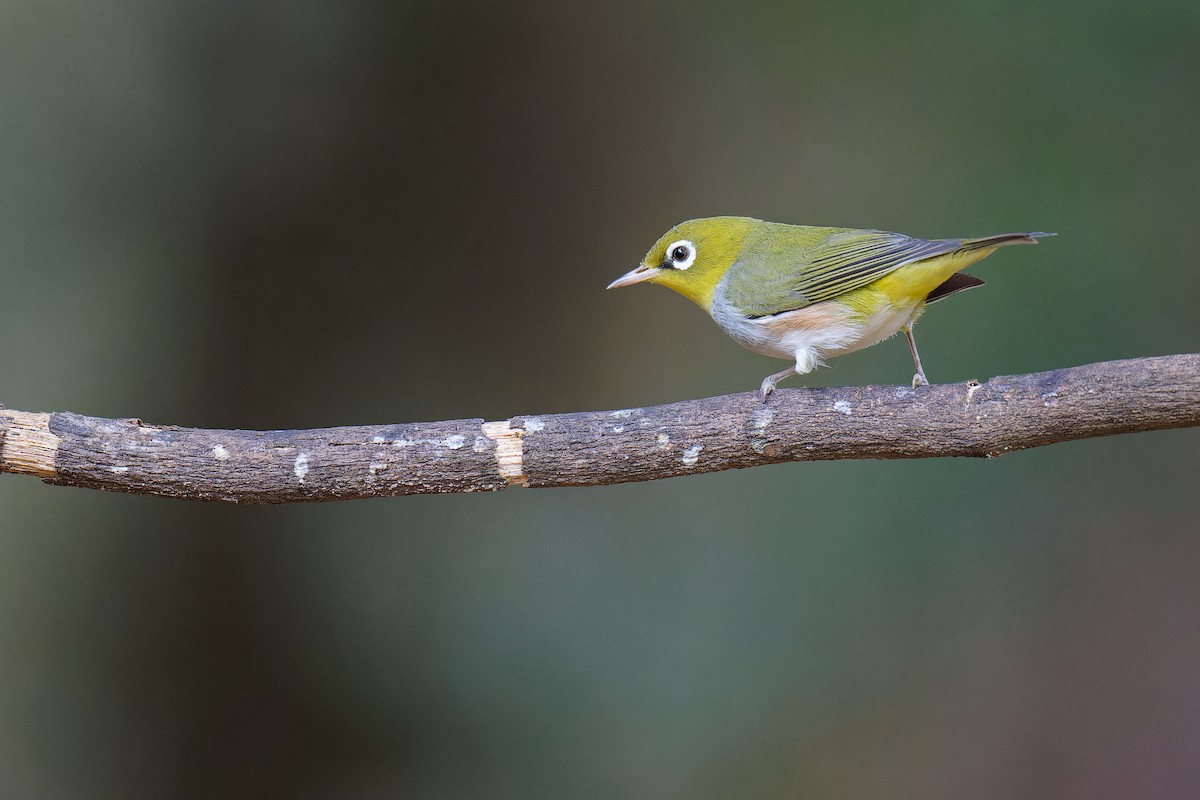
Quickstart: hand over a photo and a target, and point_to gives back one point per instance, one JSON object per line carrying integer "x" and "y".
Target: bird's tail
{"x": 1003, "y": 239}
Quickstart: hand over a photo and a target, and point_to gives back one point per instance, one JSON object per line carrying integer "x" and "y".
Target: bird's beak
{"x": 636, "y": 275}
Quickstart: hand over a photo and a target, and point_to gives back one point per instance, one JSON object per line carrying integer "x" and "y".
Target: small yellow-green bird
{"x": 805, "y": 293}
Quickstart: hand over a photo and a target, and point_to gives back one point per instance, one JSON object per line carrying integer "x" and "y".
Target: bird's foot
{"x": 768, "y": 384}
{"x": 920, "y": 380}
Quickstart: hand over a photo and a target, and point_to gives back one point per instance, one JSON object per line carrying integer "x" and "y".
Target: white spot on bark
{"x": 972, "y": 388}
{"x": 1050, "y": 399}
{"x": 624, "y": 413}
{"x": 618, "y": 428}
{"x": 761, "y": 417}
{"x": 842, "y": 407}
{"x": 378, "y": 466}
{"x": 220, "y": 453}
{"x": 380, "y": 440}
{"x": 119, "y": 470}
{"x": 453, "y": 442}
{"x": 300, "y": 468}
{"x": 534, "y": 424}
{"x": 759, "y": 420}
{"x": 664, "y": 440}
{"x": 692, "y": 455}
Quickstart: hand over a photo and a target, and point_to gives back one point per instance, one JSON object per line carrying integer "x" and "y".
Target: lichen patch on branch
{"x": 300, "y": 467}
{"x": 760, "y": 418}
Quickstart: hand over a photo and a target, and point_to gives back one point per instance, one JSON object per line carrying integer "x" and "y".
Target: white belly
{"x": 883, "y": 324}
{"x": 811, "y": 334}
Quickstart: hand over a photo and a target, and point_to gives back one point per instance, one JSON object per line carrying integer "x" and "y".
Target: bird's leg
{"x": 806, "y": 361}
{"x": 919, "y": 379}
{"x": 768, "y": 384}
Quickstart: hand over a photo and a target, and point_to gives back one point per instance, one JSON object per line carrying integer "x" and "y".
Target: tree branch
{"x": 604, "y": 447}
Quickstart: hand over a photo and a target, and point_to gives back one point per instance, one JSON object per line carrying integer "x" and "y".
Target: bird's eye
{"x": 681, "y": 254}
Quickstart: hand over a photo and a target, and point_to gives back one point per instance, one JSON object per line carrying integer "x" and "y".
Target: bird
{"x": 806, "y": 293}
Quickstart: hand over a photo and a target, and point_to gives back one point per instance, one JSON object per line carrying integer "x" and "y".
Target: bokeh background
{"x": 314, "y": 213}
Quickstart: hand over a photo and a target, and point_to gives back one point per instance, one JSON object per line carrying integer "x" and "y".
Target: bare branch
{"x": 604, "y": 447}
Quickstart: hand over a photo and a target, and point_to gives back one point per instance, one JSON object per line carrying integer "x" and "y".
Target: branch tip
{"x": 27, "y": 447}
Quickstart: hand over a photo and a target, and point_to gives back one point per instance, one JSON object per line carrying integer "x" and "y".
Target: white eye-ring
{"x": 681, "y": 254}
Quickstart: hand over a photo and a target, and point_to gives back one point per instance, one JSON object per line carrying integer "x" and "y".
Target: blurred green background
{"x": 314, "y": 213}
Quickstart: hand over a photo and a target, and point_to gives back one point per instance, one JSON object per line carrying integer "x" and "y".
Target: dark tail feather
{"x": 1003, "y": 239}
{"x": 958, "y": 282}
{"x": 961, "y": 281}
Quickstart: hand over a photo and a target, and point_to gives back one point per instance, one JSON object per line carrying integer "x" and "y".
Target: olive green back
{"x": 785, "y": 267}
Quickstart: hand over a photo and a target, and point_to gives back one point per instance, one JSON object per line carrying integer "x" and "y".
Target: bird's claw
{"x": 919, "y": 380}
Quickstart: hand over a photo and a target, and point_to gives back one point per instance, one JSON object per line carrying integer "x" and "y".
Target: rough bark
{"x": 604, "y": 447}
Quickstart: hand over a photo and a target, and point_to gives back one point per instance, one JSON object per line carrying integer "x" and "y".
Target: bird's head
{"x": 692, "y": 257}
